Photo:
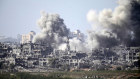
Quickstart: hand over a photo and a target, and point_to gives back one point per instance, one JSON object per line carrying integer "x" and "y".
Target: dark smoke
{"x": 121, "y": 25}
{"x": 135, "y": 19}
{"x": 105, "y": 41}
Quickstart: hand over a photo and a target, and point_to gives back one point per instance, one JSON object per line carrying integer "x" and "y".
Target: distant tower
{"x": 68, "y": 46}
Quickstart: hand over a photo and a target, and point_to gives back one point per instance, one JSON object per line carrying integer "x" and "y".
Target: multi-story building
{"x": 121, "y": 51}
{"x": 16, "y": 51}
{"x": 43, "y": 61}
{"x": 133, "y": 54}
{"x": 26, "y": 38}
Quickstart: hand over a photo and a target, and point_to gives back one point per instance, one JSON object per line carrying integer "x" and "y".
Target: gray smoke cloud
{"x": 53, "y": 30}
{"x": 55, "y": 33}
{"x": 135, "y": 19}
{"x": 110, "y": 28}
{"x": 115, "y": 27}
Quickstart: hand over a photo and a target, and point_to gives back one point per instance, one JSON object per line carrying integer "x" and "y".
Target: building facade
{"x": 27, "y": 38}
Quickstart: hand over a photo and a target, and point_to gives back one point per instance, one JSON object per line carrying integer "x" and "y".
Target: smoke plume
{"x": 118, "y": 26}
{"x": 135, "y": 22}
{"x": 53, "y": 30}
{"x": 78, "y": 45}
{"x": 55, "y": 34}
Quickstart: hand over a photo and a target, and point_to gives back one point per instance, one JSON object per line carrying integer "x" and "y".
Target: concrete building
{"x": 43, "y": 61}
{"x": 26, "y": 38}
{"x": 5, "y": 50}
{"x": 16, "y": 50}
{"x": 134, "y": 54}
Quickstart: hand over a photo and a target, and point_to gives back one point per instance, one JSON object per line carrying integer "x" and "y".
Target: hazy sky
{"x": 20, "y": 16}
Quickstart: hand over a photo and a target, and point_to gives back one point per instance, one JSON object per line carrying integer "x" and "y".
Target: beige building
{"x": 26, "y": 38}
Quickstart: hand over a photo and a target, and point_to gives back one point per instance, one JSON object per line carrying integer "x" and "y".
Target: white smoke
{"x": 109, "y": 25}
{"x": 106, "y": 17}
{"x": 53, "y": 30}
{"x": 78, "y": 45}
{"x": 63, "y": 46}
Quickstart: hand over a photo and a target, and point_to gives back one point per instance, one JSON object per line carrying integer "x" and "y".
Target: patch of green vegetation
{"x": 28, "y": 76}
{"x": 70, "y": 75}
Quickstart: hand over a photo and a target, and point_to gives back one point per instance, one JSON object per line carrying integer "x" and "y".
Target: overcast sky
{"x": 20, "y": 16}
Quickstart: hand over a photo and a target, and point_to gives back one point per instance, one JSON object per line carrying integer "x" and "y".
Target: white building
{"x": 26, "y": 38}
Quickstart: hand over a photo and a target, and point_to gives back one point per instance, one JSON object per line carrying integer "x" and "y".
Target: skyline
{"x": 70, "y": 36}
{"x": 20, "y": 17}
